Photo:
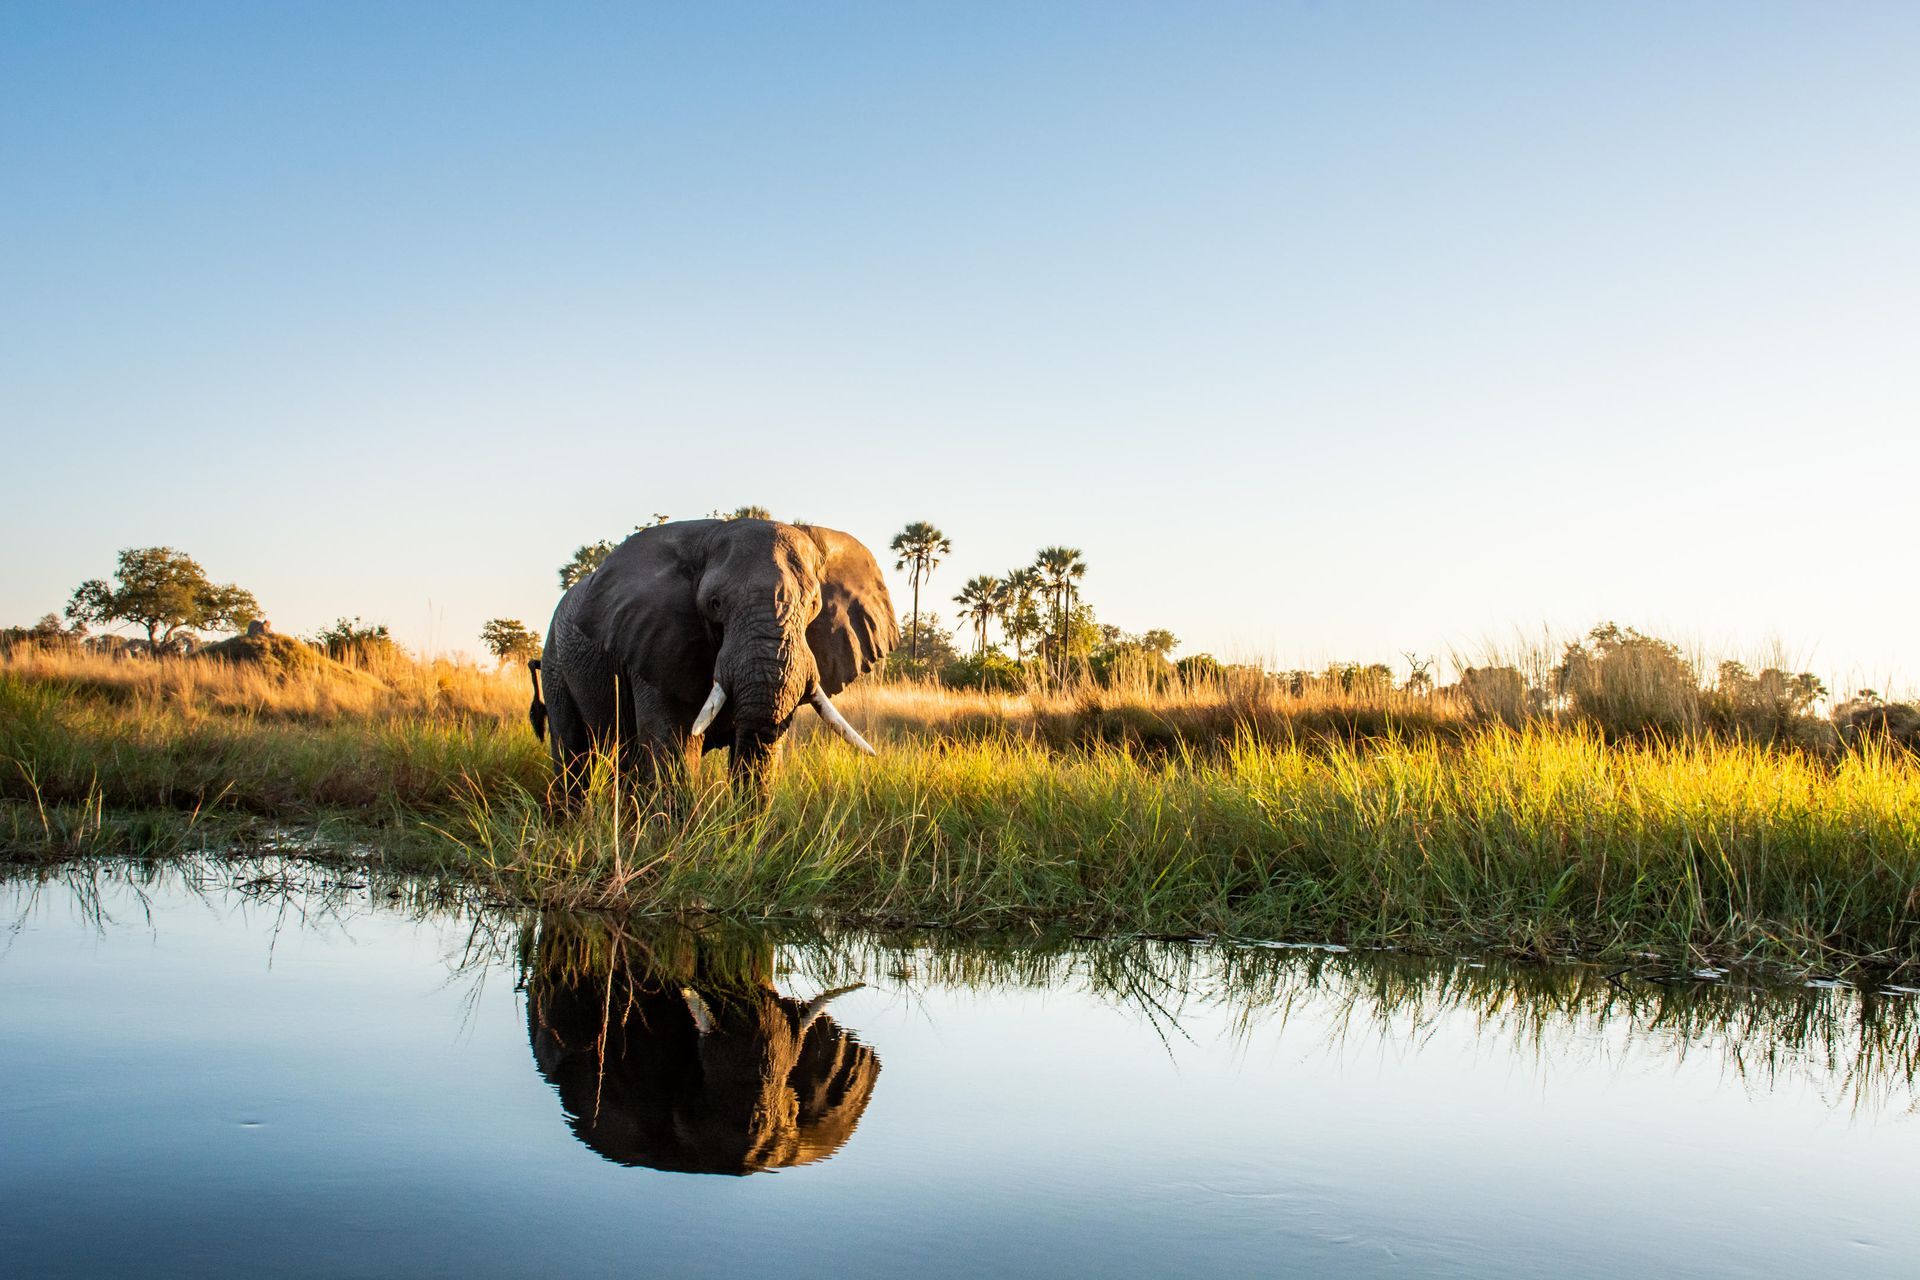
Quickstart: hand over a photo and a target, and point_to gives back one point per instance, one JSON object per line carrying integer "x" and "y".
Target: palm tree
{"x": 982, "y": 600}
{"x": 1059, "y": 568}
{"x": 1022, "y": 585}
{"x": 920, "y": 546}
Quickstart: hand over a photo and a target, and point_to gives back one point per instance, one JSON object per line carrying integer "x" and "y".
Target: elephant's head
{"x": 742, "y": 621}
{"x": 676, "y": 1063}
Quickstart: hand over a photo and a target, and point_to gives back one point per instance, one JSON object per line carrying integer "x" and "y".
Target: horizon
{"x": 1326, "y": 335}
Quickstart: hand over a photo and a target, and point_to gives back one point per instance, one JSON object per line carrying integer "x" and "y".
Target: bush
{"x": 1630, "y": 685}
{"x": 989, "y": 672}
{"x": 1862, "y": 722}
{"x": 1773, "y": 706}
{"x": 360, "y": 643}
{"x": 1495, "y": 693}
{"x": 1131, "y": 665}
{"x": 1200, "y": 668}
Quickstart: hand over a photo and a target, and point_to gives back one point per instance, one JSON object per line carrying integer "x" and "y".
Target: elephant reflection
{"x": 669, "y": 1054}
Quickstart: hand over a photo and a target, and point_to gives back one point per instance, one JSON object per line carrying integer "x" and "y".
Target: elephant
{"x": 689, "y": 1068}
{"x": 710, "y": 632}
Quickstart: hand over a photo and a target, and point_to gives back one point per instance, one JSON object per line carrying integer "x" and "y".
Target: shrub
{"x": 1495, "y": 693}
{"x": 1630, "y": 685}
{"x": 989, "y": 671}
{"x": 1862, "y": 722}
{"x": 361, "y": 643}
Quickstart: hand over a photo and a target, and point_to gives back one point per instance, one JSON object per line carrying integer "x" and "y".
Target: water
{"x": 217, "y": 1072}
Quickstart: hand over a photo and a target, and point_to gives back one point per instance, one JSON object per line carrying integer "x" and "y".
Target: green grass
{"x": 1541, "y": 841}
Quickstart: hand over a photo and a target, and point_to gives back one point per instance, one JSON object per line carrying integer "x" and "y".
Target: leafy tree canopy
{"x": 585, "y": 560}
{"x": 919, "y": 546}
{"x": 509, "y": 638}
{"x": 166, "y": 593}
{"x": 590, "y": 557}
{"x": 355, "y": 639}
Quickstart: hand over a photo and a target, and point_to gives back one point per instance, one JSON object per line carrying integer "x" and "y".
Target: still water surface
{"x": 273, "y": 1070}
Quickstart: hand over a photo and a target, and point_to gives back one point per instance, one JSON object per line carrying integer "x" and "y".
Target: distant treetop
{"x": 166, "y": 593}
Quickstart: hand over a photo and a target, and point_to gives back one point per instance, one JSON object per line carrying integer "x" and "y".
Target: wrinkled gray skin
{"x": 768, "y": 609}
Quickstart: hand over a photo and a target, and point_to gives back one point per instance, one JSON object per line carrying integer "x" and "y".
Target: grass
{"x": 1192, "y": 811}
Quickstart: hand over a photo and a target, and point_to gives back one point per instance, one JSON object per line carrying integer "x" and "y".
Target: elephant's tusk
{"x": 715, "y": 700}
{"x": 702, "y": 1016}
{"x": 818, "y": 1004}
{"x": 837, "y": 722}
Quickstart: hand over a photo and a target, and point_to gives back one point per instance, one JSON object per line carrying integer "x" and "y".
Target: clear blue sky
{"x": 1323, "y": 330}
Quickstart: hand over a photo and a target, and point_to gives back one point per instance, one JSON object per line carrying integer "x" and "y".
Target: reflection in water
{"x": 1857, "y": 1047}
{"x": 675, "y": 1051}
{"x": 614, "y": 1010}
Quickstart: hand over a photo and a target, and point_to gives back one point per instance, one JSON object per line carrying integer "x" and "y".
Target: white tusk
{"x": 837, "y": 722}
{"x": 702, "y": 1016}
{"x": 818, "y": 1004}
{"x": 715, "y": 700}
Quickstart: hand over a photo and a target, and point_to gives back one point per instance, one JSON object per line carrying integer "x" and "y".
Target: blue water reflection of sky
{"x": 202, "y": 1097}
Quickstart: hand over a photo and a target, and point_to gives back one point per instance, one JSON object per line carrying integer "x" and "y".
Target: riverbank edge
{"x": 36, "y": 837}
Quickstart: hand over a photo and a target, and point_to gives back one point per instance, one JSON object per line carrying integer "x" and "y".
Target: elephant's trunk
{"x": 764, "y": 671}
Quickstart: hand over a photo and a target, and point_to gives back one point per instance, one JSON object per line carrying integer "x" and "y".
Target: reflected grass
{"x": 1856, "y": 1047}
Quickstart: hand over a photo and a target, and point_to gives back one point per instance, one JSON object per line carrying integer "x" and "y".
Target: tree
{"x": 981, "y": 600}
{"x": 1060, "y": 568}
{"x": 1200, "y": 668}
{"x": 510, "y": 638}
{"x": 936, "y": 653}
{"x": 585, "y": 561}
{"x": 1159, "y": 641}
{"x": 744, "y": 513}
{"x": 590, "y": 557}
{"x": 356, "y": 640}
{"x": 919, "y": 547}
{"x": 47, "y": 633}
{"x": 167, "y": 593}
{"x": 1019, "y": 617}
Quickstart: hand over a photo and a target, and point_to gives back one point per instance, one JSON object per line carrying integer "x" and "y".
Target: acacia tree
{"x": 1060, "y": 569}
{"x": 919, "y": 547}
{"x": 982, "y": 600}
{"x": 510, "y": 638}
{"x": 167, "y": 593}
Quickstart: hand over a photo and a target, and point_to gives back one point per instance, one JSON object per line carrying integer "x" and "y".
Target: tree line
{"x": 1047, "y": 632}
{"x": 1027, "y": 625}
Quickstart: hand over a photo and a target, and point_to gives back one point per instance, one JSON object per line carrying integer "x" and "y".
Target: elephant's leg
{"x": 580, "y": 708}
{"x": 569, "y": 740}
{"x": 653, "y": 746}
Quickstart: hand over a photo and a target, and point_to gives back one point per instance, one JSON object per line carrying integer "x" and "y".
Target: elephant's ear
{"x": 641, "y": 609}
{"x": 856, "y": 627}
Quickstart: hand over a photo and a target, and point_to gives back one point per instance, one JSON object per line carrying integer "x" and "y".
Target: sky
{"x": 1324, "y": 331}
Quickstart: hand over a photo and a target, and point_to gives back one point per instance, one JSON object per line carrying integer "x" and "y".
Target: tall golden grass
{"x": 1216, "y": 807}
{"x": 297, "y": 684}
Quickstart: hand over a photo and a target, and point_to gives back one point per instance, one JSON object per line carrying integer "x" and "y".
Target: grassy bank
{"x": 1444, "y": 832}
